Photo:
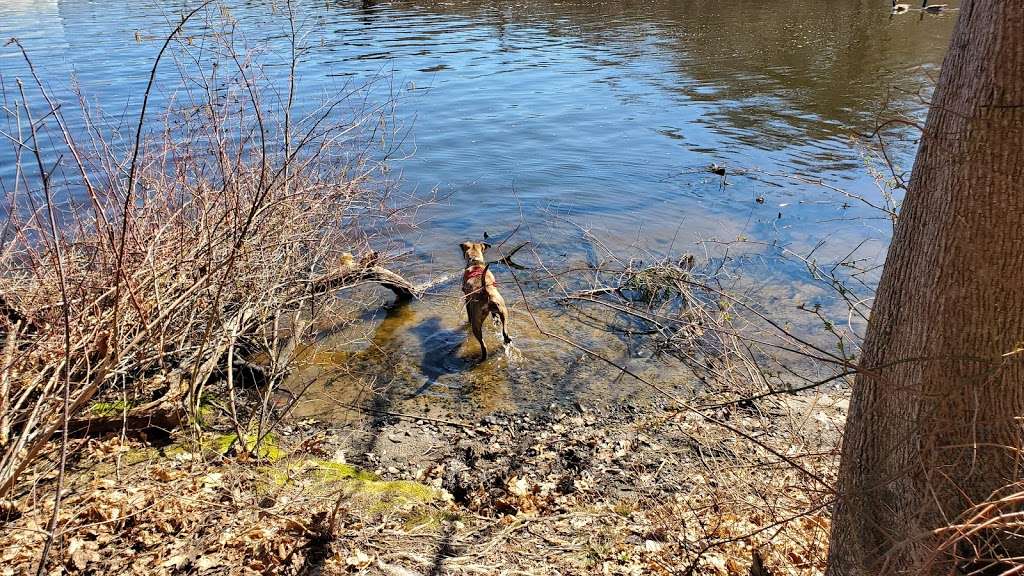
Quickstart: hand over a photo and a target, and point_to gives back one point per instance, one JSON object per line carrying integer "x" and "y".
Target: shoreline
{"x": 620, "y": 490}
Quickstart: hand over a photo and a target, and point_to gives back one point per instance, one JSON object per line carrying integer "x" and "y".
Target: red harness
{"x": 473, "y": 272}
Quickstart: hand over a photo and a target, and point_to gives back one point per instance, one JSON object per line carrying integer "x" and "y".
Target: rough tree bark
{"x": 933, "y": 422}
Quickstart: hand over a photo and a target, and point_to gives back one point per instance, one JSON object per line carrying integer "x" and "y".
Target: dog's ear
{"x": 486, "y": 245}
{"x": 464, "y": 246}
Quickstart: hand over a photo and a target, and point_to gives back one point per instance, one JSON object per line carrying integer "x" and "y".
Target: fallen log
{"x": 165, "y": 413}
{"x": 369, "y": 271}
{"x": 356, "y": 274}
{"x": 167, "y": 416}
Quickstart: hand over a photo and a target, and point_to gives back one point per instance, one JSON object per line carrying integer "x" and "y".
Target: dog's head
{"x": 473, "y": 252}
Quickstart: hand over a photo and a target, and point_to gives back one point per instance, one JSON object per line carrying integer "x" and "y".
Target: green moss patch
{"x": 363, "y": 489}
{"x": 407, "y": 489}
{"x": 268, "y": 449}
{"x": 221, "y": 444}
{"x": 109, "y": 409}
{"x": 428, "y": 519}
{"x": 327, "y": 471}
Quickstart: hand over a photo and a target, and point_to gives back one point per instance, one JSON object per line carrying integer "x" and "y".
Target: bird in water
{"x": 900, "y": 8}
{"x": 934, "y": 8}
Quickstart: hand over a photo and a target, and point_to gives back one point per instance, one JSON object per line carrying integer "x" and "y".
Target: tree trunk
{"x": 933, "y": 428}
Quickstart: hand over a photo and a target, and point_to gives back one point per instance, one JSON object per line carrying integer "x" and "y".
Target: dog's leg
{"x": 478, "y": 331}
{"x": 502, "y": 313}
{"x": 476, "y": 322}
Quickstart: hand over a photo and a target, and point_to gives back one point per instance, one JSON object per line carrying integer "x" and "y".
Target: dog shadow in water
{"x": 440, "y": 352}
{"x": 485, "y": 385}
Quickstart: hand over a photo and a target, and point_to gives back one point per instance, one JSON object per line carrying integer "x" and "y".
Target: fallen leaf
{"x": 358, "y": 560}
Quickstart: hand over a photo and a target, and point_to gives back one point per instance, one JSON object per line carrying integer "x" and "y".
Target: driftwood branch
{"x": 356, "y": 274}
{"x": 369, "y": 272}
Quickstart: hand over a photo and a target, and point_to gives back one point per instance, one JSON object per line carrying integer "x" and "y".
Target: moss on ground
{"x": 115, "y": 408}
{"x": 327, "y": 471}
{"x": 282, "y": 473}
{"x": 429, "y": 519}
{"x": 221, "y": 443}
{"x": 364, "y": 490}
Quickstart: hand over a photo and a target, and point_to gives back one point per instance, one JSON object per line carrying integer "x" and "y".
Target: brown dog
{"x": 481, "y": 293}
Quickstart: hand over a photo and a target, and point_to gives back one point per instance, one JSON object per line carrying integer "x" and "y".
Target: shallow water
{"x": 417, "y": 359}
{"x": 603, "y": 115}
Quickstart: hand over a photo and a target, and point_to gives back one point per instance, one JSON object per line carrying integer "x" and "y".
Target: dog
{"x": 481, "y": 293}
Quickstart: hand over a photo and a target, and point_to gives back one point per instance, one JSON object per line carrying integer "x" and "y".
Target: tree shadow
{"x": 317, "y": 550}
{"x": 445, "y": 550}
{"x": 383, "y": 359}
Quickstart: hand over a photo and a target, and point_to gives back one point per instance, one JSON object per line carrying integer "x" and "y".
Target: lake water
{"x": 605, "y": 114}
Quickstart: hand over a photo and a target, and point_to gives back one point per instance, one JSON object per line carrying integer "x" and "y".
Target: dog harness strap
{"x": 474, "y": 272}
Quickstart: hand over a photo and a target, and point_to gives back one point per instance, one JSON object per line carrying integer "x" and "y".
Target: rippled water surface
{"x": 603, "y": 113}
{"x": 604, "y": 109}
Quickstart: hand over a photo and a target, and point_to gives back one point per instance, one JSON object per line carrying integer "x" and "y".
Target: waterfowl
{"x": 900, "y": 8}
{"x": 934, "y": 8}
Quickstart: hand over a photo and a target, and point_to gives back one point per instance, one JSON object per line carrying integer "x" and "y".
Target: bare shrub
{"x": 139, "y": 269}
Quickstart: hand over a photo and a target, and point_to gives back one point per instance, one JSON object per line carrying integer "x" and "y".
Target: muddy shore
{"x": 629, "y": 489}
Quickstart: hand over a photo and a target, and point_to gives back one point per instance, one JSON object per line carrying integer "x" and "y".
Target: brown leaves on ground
{"x": 643, "y": 492}
{"x": 648, "y": 491}
{"x": 171, "y": 515}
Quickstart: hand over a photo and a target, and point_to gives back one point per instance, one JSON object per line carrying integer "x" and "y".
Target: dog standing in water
{"x": 481, "y": 293}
